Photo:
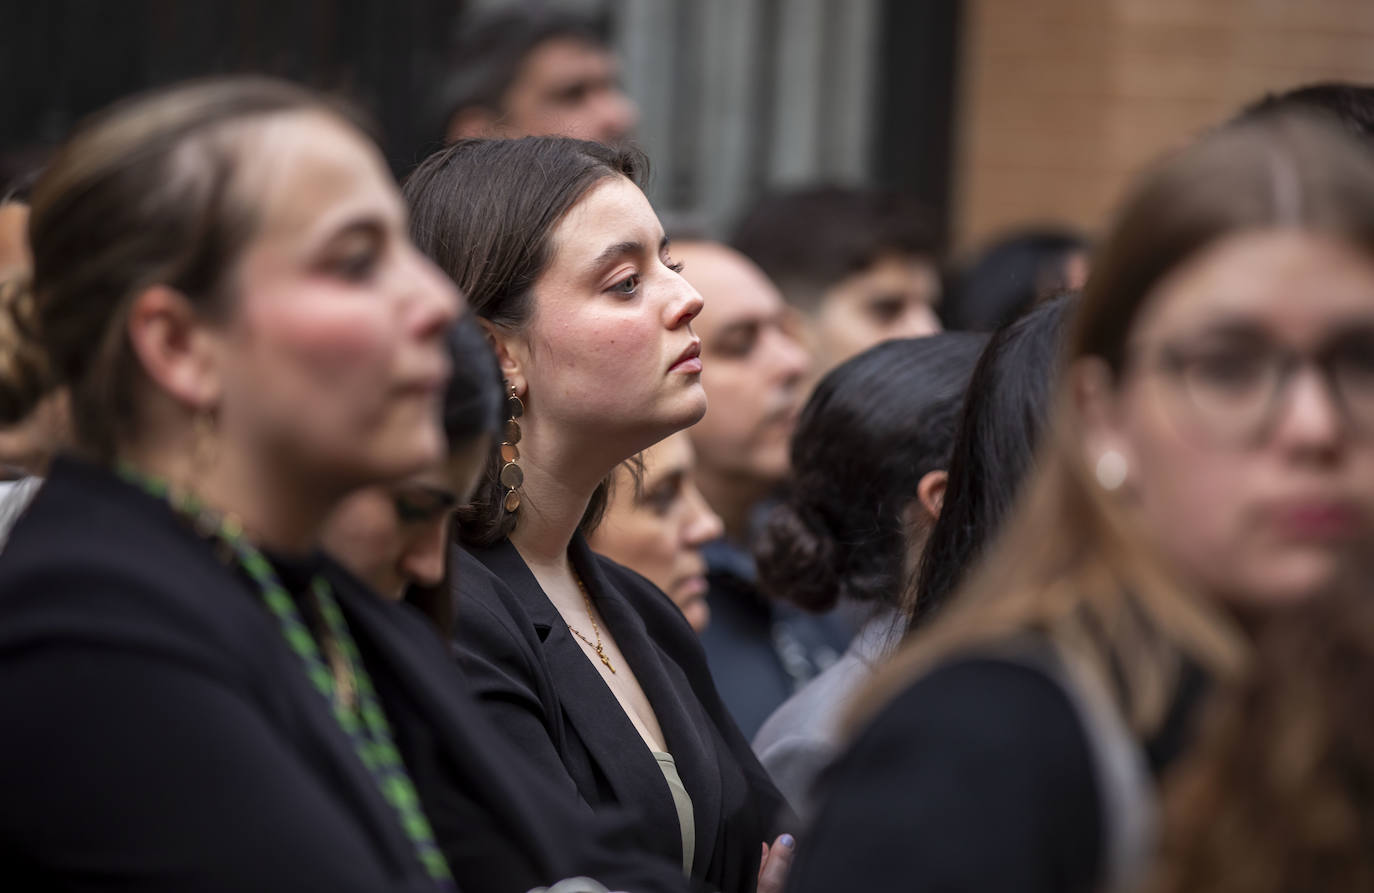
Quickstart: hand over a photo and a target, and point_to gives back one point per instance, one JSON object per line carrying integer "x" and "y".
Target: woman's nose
{"x": 437, "y": 302}
{"x": 422, "y": 562}
{"x": 703, "y": 525}
{"x": 685, "y": 304}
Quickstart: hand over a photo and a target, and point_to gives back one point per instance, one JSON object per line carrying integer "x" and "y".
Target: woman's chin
{"x": 417, "y": 453}
{"x": 693, "y": 407}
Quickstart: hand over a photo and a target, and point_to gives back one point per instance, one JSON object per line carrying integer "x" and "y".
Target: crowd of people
{"x": 481, "y": 534}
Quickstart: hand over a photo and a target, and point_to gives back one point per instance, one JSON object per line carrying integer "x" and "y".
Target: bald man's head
{"x": 754, "y": 370}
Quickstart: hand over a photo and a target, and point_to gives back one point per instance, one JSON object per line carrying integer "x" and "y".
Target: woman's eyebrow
{"x": 619, "y": 249}
{"x": 613, "y": 251}
{"x": 366, "y": 225}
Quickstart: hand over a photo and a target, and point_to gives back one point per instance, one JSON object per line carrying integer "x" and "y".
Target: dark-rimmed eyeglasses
{"x": 1236, "y": 390}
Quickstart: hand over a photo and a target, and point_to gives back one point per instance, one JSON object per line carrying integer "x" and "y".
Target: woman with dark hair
{"x": 1209, "y": 463}
{"x": 198, "y": 698}
{"x": 868, "y": 480}
{"x": 587, "y": 666}
{"x": 1007, "y": 405}
{"x": 658, "y": 525}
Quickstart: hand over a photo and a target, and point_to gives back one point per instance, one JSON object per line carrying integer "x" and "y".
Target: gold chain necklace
{"x": 596, "y": 630}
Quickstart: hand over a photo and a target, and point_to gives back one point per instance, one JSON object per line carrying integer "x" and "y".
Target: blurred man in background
{"x": 755, "y": 372}
{"x": 860, "y": 265}
{"x": 533, "y": 72}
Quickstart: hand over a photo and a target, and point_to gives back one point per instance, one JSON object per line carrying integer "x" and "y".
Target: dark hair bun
{"x": 797, "y": 560}
{"x": 25, "y": 377}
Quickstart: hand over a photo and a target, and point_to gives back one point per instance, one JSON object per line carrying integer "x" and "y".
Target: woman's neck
{"x": 277, "y": 512}
{"x": 559, "y": 483}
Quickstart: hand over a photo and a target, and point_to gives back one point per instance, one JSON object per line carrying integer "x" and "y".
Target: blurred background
{"x": 995, "y": 114}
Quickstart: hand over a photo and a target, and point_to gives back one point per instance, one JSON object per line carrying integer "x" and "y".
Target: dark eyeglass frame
{"x": 1282, "y": 364}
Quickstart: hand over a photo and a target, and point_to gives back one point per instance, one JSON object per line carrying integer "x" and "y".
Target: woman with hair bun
{"x": 868, "y": 480}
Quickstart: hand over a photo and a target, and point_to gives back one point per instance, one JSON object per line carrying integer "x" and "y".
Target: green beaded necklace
{"x": 347, "y": 687}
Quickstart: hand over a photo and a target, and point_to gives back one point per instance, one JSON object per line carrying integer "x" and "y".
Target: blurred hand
{"x": 777, "y": 859}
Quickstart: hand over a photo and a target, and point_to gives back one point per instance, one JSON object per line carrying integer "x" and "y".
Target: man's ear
{"x": 930, "y": 493}
{"x": 175, "y": 347}
{"x": 510, "y": 353}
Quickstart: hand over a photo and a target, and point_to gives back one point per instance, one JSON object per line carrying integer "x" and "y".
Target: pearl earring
{"x": 1111, "y": 470}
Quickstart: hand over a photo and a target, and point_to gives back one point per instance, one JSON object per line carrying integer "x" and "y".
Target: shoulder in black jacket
{"x": 980, "y": 776}
{"x": 539, "y": 687}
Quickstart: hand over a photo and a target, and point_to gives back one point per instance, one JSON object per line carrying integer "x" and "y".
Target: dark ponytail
{"x": 873, "y": 428}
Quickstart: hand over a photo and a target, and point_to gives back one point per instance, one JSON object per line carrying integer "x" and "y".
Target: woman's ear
{"x": 176, "y": 349}
{"x": 930, "y": 493}
{"x": 1096, "y": 402}
{"x": 510, "y": 354}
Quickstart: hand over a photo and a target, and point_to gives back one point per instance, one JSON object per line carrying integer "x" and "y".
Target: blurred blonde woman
{"x": 1212, "y": 458}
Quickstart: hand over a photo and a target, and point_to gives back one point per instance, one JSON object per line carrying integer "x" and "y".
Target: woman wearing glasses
{"x": 1211, "y": 461}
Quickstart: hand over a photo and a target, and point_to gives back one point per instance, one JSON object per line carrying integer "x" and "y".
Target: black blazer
{"x": 162, "y": 736}
{"x": 539, "y": 687}
{"x": 979, "y": 776}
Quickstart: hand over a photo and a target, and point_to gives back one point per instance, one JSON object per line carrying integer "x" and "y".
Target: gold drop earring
{"x": 511, "y": 476}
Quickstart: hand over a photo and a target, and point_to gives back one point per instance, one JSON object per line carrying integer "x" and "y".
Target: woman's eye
{"x": 660, "y": 502}
{"x": 675, "y": 266}
{"x": 1231, "y": 371}
{"x": 357, "y": 267}
{"x": 627, "y": 286}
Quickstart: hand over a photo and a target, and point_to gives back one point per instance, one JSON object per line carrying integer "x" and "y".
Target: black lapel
{"x": 686, "y": 727}
{"x": 430, "y": 677}
{"x": 610, "y": 739}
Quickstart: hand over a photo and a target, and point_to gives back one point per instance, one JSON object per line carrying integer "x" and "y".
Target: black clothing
{"x": 538, "y": 686}
{"x": 978, "y": 777}
{"x": 162, "y": 736}
{"x": 762, "y": 651}
{"x": 500, "y": 828}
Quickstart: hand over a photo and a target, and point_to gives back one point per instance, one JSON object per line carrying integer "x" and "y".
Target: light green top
{"x": 686, "y": 816}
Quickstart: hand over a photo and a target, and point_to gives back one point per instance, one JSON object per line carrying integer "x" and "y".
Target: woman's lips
{"x": 1317, "y": 520}
{"x": 690, "y": 588}
{"x": 689, "y": 360}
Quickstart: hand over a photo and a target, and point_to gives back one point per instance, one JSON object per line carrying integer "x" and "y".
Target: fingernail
{"x": 787, "y": 841}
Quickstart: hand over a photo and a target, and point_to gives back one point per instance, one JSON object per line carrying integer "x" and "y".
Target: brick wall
{"x": 1061, "y": 101}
